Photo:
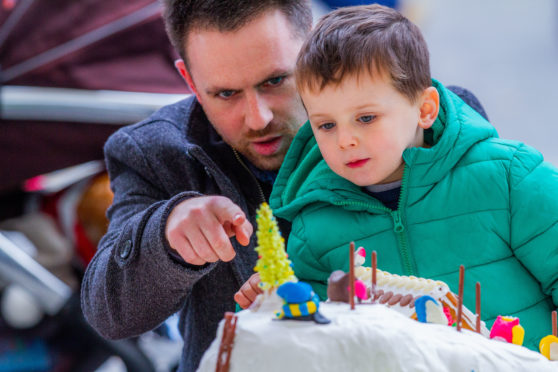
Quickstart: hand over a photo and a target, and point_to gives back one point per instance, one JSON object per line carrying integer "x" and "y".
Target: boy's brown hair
{"x": 358, "y": 39}
{"x": 183, "y": 16}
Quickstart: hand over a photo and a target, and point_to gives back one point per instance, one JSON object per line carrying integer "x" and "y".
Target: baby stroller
{"x": 63, "y": 92}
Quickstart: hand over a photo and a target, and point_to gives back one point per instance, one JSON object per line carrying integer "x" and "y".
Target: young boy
{"x": 392, "y": 160}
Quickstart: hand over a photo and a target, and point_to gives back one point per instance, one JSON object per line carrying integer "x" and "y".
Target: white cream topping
{"x": 402, "y": 284}
{"x": 370, "y": 338}
{"x": 415, "y": 286}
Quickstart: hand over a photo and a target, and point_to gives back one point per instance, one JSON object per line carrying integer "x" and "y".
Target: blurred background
{"x": 73, "y": 72}
{"x": 506, "y": 52}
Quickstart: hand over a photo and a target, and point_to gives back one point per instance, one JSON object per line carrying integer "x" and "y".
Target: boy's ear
{"x": 183, "y": 71}
{"x": 429, "y": 107}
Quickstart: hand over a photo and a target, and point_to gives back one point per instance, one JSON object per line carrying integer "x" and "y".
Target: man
{"x": 191, "y": 176}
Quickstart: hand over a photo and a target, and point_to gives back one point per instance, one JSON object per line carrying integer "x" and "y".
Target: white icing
{"x": 435, "y": 313}
{"x": 416, "y": 287}
{"x": 370, "y": 338}
{"x": 402, "y": 284}
{"x": 554, "y": 351}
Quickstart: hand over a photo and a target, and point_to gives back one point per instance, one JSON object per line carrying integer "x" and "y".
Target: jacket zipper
{"x": 260, "y": 191}
{"x": 398, "y": 225}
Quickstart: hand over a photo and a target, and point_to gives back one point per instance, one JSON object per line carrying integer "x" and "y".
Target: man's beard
{"x": 266, "y": 162}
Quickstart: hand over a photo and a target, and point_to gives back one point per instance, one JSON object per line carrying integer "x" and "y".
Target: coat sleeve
{"x": 306, "y": 265}
{"x": 132, "y": 283}
{"x": 534, "y": 216}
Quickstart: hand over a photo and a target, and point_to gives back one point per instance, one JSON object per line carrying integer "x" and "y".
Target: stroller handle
{"x": 16, "y": 266}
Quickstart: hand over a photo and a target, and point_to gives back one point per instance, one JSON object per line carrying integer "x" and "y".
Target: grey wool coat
{"x": 135, "y": 282}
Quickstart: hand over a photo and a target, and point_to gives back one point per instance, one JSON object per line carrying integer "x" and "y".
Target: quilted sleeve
{"x": 133, "y": 284}
{"x": 534, "y": 216}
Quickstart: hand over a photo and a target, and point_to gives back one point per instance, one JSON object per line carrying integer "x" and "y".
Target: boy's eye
{"x": 226, "y": 94}
{"x": 274, "y": 81}
{"x": 366, "y": 118}
{"x": 326, "y": 126}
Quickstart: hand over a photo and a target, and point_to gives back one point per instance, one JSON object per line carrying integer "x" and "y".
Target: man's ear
{"x": 429, "y": 107}
{"x": 183, "y": 71}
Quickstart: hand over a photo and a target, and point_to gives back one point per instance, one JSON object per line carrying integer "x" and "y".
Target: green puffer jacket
{"x": 471, "y": 199}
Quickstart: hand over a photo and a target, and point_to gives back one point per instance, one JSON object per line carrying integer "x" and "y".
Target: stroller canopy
{"x": 87, "y": 45}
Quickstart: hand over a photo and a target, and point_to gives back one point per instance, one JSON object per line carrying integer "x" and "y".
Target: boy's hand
{"x": 248, "y": 292}
{"x": 199, "y": 229}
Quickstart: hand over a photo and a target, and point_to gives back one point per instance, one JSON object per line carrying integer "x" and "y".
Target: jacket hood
{"x": 305, "y": 178}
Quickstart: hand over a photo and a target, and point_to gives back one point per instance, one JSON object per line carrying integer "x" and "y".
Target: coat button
{"x": 125, "y": 249}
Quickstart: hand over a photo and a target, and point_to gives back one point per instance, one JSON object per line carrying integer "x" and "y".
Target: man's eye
{"x": 274, "y": 81}
{"x": 327, "y": 126}
{"x": 226, "y": 94}
{"x": 366, "y": 118}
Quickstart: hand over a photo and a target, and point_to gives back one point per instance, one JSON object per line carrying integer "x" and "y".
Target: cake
{"x": 369, "y": 338}
{"x": 288, "y": 329}
{"x": 380, "y": 333}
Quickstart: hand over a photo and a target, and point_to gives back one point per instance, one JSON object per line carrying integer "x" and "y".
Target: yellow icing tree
{"x": 273, "y": 265}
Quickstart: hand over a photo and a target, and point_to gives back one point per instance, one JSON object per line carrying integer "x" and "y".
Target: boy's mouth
{"x": 357, "y": 163}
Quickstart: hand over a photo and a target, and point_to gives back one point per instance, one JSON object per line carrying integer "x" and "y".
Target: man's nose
{"x": 258, "y": 113}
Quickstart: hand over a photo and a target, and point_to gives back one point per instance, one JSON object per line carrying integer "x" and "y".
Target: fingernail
{"x": 247, "y": 233}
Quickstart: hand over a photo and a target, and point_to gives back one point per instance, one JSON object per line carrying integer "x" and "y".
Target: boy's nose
{"x": 346, "y": 139}
{"x": 258, "y": 113}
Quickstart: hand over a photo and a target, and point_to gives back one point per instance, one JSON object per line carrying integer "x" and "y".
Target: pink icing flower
{"x": 360, "y": 290}
{"x": 448, "y": 315}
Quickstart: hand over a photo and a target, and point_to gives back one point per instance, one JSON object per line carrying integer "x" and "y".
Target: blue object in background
{"x": 340, "y": 3}
{"x": 21, "y": 355}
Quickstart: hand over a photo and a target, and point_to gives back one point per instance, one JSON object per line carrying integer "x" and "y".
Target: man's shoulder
{"x": 176, "y": 115}
{"x": 165, "y": 128}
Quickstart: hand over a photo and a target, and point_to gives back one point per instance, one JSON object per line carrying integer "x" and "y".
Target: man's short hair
{"x": 360, "y": 39}
{"x": 183, "y": 16}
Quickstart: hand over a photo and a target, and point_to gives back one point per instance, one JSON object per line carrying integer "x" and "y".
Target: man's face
{"x": 244, "y": 81}
{"x": 363, "y": 125}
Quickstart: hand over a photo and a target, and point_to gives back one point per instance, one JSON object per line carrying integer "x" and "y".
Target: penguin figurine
{"x": 429, "y": 310}
{"x": 300, "y": 303}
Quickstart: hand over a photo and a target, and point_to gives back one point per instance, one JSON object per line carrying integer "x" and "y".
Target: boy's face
{"x": 363, "y": 125}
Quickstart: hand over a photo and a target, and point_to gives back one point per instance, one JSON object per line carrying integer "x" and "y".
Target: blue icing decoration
{"x": 295, "y": 293}
{"x": 420, "y": 306}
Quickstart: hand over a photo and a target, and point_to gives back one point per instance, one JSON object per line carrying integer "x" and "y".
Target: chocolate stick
{"x": 460, "y": 297}
{"x": 374, "y": 266}
{"x": 227, "y": 340}
{"x": 478, "y": 309}
{"x": 352, "y": 275}
{"x": 554, "y": 324}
